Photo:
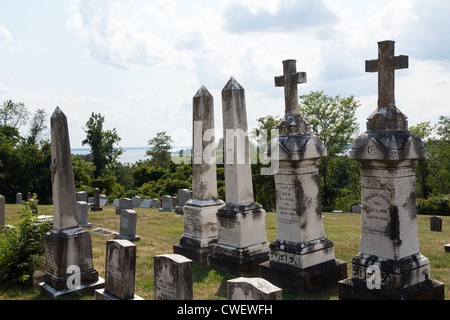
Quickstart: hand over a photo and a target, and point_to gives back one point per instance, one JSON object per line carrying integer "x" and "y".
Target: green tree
{"x": 333, "y": 120}
{"x": 38, "y": 125}
{"x": 433, "y": 172}
{"x": 159, "y": 151}
{"x": 13, "y": 114}
{"x": 102, "y": 142}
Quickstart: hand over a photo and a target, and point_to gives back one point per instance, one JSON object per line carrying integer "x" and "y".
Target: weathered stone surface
{"x": 120, "y": 271}
{"x": 389, "y": 258}
{"x": 183, "y": 196}
{"x": 242, "y": 240}
{"x": 96, "y": 205}
{"x": 200, "y": 222}
{"x": 447, "y": 248}
{"x": 128, "y": 223}
{"x": 65, "y": 213}
{"x": 166, "y": 204}
{"x": 83, "y": 214}
{"x": 82, "y": 196}
{"x": 68, "y": 249}
{"x": 173, "y": 277}
{"x": 252, "y": 289}
{"x": 436, "y": 224}
{"x": 300, "y": 242}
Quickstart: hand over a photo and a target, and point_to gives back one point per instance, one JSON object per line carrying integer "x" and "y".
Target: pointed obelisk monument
{"x": 301, "y": 257}
{"x": 242, "y": 241}
{"x": 68, "y": 248}
{"x": 389, "y": 264}
{"x": 200, "y": 222}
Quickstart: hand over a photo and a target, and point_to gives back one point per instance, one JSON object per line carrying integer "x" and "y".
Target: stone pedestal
{"x": 242, "y": 243}
{"x": 200, "y": 230}
{"x": 302, "y": 259}
{"x": 69, "y": 264}
{"x": 389, "y": 264}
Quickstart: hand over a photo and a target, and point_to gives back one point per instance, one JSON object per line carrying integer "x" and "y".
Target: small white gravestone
{"x": 173, "y": 277}
{"x": 252, "y": 289}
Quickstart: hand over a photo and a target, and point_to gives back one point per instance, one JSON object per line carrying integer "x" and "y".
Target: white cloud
{"x": 3, "y": 89}
{"x": 280, "y": 16}
{"x": 7, "y": 42}
{"x": 117, "y": 32}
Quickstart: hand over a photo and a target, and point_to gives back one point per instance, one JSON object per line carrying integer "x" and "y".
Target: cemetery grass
{"x": 159, "y": 231}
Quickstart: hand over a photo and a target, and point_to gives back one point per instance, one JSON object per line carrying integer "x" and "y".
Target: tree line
{"x": 25, "y": 161}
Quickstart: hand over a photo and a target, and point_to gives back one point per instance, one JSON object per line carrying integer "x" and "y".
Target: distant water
{"x": 131, "y": 154}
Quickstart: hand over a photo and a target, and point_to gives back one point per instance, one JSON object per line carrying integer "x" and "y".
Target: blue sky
{"x": 139, "y": 63}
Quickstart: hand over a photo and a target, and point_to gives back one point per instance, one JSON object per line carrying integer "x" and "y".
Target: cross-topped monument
{"x": 289, "y": 81}
{"x": 389, "y": 264}
{"x": 385, "y": 65}
{"x": 301, "y": 257}
{"x": 386, "y": 116}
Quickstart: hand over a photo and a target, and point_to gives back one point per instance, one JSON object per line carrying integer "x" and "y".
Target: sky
{"x": 139, "y": 63}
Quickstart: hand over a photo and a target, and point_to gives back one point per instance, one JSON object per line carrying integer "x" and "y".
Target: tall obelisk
{"x": 68, "y": 247}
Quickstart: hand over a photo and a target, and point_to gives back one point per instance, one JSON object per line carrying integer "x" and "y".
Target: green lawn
{"x": 160, "y": 230}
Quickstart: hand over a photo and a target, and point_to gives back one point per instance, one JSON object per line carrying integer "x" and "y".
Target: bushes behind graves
{"x": 434, "y": 205}
{"x": 21, "y": 248}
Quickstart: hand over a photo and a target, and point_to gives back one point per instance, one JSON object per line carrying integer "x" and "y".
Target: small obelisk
{"x": 301, "y": 257}
{"x": 389, "y": 264}
{"x": 242, "y": 241}
{"x": 68, "y": 248}
{"x": 200, "y": 222}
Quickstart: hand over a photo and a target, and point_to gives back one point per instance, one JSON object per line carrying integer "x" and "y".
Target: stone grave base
{"x": 321, "y": 278}
{"x": 166, "y": 210}
{"x": 96, "y": 209}
{"x": 447, "y": 248}
{"x": 355, "y": 289}
{"x": 67, "y": 251}
{"x": 82, "y": 290}
{"x": 196, "y": 254}
{"x": 243, "y": 265}
{"x": 129, "y": 238}
{"x": 100, "y": 294}
{"x": 86, "y": 225}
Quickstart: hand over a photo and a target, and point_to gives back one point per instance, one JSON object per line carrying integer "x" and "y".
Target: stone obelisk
{"x": 389, "y": 264}
{"x": 68, "y": 248}
{"x": 242, "y": 241}
{"x": 301, "y": 257}
{"x": 200, "y": 222}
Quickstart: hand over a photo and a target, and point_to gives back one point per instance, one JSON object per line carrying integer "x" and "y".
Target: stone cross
{"x": 289, "y": 81}
{"x": 385, "y": 65}
{"x": 65, "y": 211}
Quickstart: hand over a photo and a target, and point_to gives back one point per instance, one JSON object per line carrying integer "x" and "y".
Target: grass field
{"x": 160, "y": 230}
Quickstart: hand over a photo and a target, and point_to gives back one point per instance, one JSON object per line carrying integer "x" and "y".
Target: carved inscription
{"x": 387, "y": 279}
{"x": 286, "y": 204}
{"x": 286, "y": 258}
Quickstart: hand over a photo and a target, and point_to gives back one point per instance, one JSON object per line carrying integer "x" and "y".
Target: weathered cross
{"x": 289, "y": 81}
{"x": 385, "y": 65}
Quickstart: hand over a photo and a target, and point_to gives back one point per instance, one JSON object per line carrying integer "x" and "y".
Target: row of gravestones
{"x": 231, "y": 235}
{"x": 173, "y": 278}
